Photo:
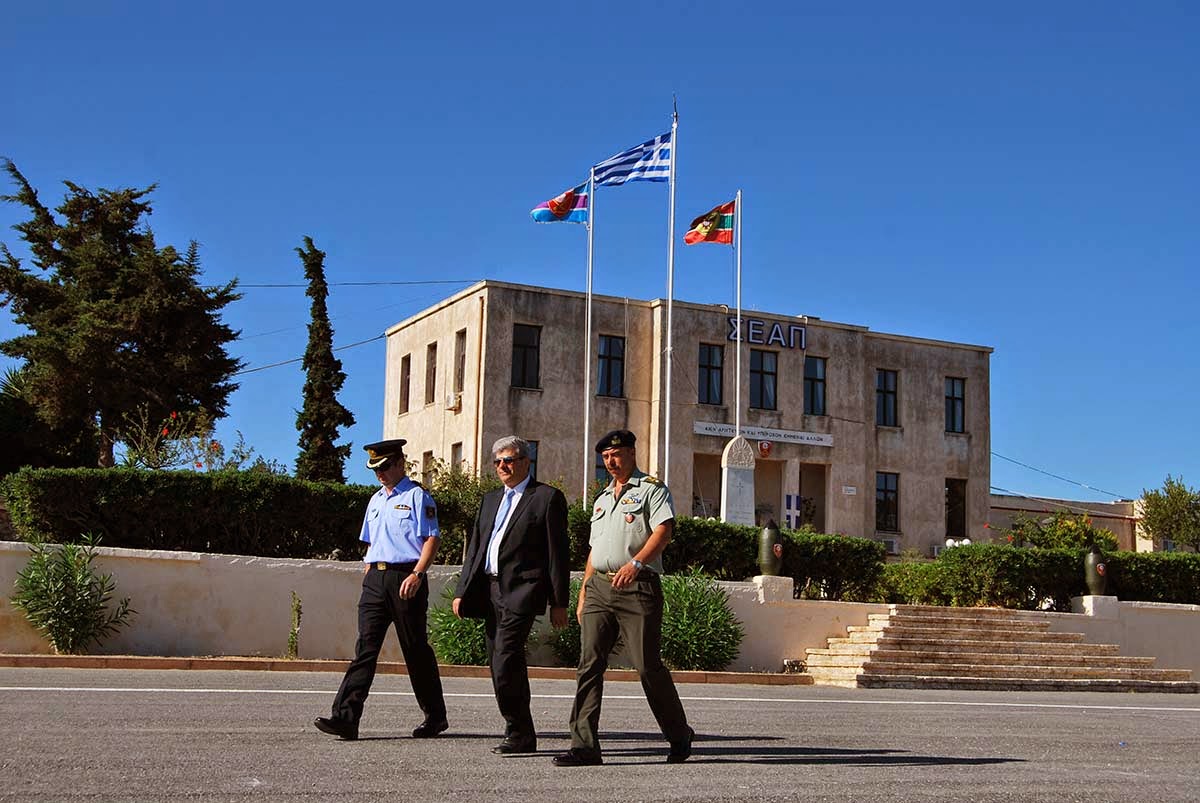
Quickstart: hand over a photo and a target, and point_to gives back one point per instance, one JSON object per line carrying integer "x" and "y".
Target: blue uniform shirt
{"x": 397, "y": 525}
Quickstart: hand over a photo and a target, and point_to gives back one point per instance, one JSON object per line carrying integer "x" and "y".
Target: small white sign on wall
{"x": 849, "y": 490}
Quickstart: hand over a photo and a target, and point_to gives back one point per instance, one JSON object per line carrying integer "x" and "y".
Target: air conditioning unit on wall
{"x": 454, "y": 401}
{"x": 892, "y": 545}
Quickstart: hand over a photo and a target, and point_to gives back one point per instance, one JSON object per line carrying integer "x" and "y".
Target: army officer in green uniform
{"x": 632, "y": 522}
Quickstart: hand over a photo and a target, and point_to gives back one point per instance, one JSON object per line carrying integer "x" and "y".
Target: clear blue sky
{"x": 1024, "y": 176}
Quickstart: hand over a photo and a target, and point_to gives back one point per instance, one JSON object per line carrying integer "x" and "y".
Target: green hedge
{"x": 229, "y": 512}
{"x": 1155, "y": 576}
{"x": 1036, "y": 579}
{"x": 833, "y": 567}
{"x": 235, "y": 512}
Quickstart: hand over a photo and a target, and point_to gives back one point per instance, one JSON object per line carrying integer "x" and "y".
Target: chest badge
{"x": 403, "y": 507}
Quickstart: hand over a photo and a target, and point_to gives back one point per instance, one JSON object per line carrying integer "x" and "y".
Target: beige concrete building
{"x": 1121, "y": 518}
{"x": 857, "y": 432}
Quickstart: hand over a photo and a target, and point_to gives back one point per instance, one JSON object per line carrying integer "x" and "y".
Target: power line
{"x": 368, "y": 284}
{"x": 1063, "y": 505}
{"x": 1064, "y": 479}
{"x": 300, "y": 359}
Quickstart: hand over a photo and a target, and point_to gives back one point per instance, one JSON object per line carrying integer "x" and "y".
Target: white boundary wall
{"x": 192, "y": 604}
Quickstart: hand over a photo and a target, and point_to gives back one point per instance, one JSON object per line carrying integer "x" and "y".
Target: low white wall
{"x": 1170, "y": 633}
{"x": 192, "y": 604}
{"x": 779, "y": 627}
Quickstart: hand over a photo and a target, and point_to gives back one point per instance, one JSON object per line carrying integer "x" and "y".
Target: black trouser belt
{"x": 394, "y": 567}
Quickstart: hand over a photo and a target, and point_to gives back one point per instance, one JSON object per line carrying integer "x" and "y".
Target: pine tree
{"x": 116, "y": 323}
{"x": 320, "y": 460}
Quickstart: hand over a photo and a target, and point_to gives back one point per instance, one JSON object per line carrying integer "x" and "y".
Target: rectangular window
{"x": 763, "y": 375}
{"x": 814, "y": 386}
{"x": 430, "y": 373}
{"x": 885, "y": 398}
{"x": 956, "y": 395}
{"x": 533, "y": 450}
{"x": 711, "y": 376}
{"x": 612, "y": 366}
{"x": 456, "y": 457}
{"x": 527, "y": 346}
{"x": 427, "y": 469}
{"x": 460, "y": 359}
{"x": 602, "y": 475}
{"x": 405, "y": 381}
{"x": 887, "y": 502}
{"x": 956, "y": 508}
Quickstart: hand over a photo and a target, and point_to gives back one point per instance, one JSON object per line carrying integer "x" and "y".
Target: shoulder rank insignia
{"x": 652, "y": 479}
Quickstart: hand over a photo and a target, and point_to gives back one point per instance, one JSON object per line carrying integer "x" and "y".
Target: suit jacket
{"x": 533, "y": 563}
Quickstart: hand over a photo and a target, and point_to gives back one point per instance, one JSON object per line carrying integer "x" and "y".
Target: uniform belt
{"x": 643, "y": 574}
{"x": 394, "y": 567}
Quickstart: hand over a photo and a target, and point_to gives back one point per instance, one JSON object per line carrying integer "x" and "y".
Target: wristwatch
{"x": 637, "y": 564}
{"x": 420, "y": 575}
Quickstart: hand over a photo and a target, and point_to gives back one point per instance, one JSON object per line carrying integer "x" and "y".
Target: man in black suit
{"x": 517, "y": 562}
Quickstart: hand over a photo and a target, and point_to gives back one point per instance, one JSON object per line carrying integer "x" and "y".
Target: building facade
{"x": 856, "y": 432}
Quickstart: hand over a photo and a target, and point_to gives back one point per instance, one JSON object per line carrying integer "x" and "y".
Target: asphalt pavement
{"x": 155, "y": 735}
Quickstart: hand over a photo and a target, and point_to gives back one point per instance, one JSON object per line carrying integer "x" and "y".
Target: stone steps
{"x": 924, "y": 647}
{"x": 973, "y": 633}
{"x": 968, "y": 645}
{"x": 876, "y": 655}
{"x": 975, "y": 671}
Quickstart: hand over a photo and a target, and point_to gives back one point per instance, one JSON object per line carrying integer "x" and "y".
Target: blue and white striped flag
{"x": 650, "y": 161}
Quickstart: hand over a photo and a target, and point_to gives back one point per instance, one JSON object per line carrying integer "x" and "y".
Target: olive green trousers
{"x": 633, "y": 615}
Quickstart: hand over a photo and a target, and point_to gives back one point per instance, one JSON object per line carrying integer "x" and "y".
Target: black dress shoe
{"x": 577, "y": 758}
{"x": 430, "y": 728}
{"x": 335, "y": 726}
{"x": 681, "y": 751}
{"x": 510, "y": 746}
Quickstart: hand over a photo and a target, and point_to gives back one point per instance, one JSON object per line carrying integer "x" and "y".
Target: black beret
{"x": 378, "y": 454}
{"x": 618, "y": 437}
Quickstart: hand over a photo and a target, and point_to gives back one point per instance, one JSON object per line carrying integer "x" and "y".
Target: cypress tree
{"x": 320, "y": 460}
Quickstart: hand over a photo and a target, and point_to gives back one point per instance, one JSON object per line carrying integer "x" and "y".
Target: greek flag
{"x": 650, "y": 161}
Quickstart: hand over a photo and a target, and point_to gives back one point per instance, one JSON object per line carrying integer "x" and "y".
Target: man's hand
{"x": 454, "y": 605}
{"x": 410, "y": 586}
{"x": 624, "y": 576}
{"x": 558, "y": 616}
{"x": 579, "y": 607}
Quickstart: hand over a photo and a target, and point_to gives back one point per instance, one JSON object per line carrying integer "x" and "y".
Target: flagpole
{"x": 666, "y": 467}
{"x": 737, "y": 250}
{"x": 587, "y": 345}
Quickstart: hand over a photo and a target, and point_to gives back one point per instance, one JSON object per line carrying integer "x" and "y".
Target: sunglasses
{"x": 508, "y": 461}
